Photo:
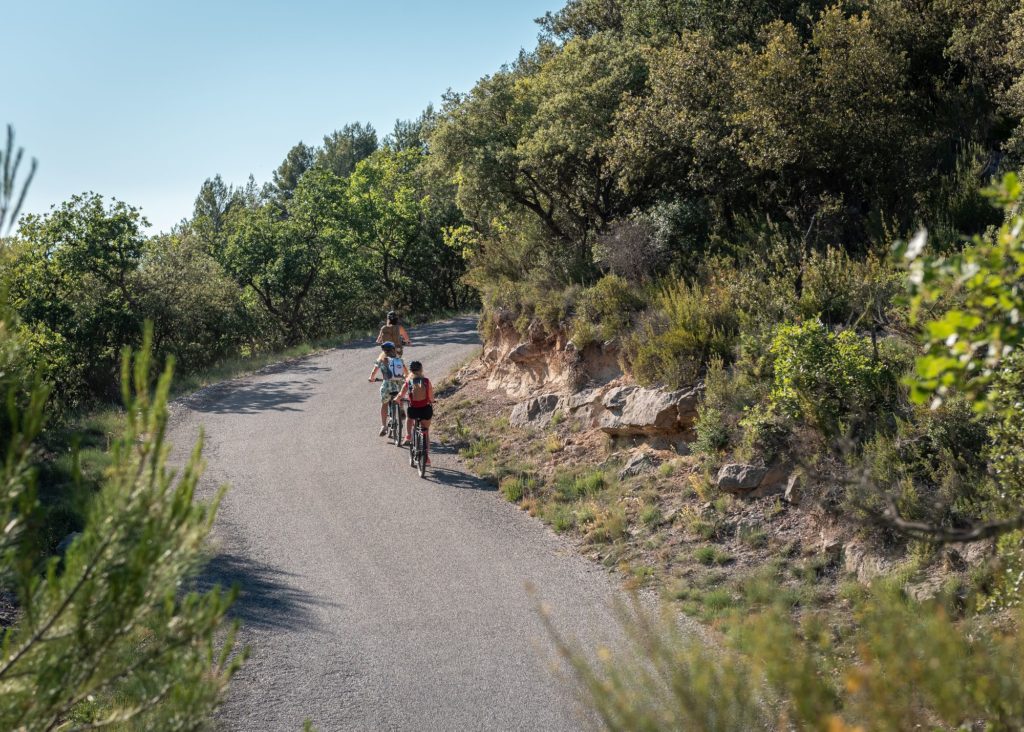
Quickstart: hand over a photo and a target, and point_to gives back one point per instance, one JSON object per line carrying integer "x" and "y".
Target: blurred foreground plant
{"x": 905, "y": 665}
{"x": 110, "y": 617}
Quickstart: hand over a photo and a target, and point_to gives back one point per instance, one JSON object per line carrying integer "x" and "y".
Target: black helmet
{"x": 415, "y": 367}
{"x": 392, "y": 316}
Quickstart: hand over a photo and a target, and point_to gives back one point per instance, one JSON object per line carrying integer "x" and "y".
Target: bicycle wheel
{"x": 398, "y": 425}
{"x": 412, "y": 453}
{"x": 421, "y": 454}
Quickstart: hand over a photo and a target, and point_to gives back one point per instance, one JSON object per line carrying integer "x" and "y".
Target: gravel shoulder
{"x": 372, "y": 599}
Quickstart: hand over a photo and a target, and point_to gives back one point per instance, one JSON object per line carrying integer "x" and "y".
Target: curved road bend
{"x": 372, "y": 599}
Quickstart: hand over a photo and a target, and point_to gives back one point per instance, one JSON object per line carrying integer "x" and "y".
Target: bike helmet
{"x": 387, "y": 346}
{"x": 392, "y": 317}
{"x": 415, "y": 367}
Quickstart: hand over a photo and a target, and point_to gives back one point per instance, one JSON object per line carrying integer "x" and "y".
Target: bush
{"x": 827, "y": 378}
{"x": 841, "y": 290}
{"x": 609, "y": 306}
{"x": 689, "y": 326}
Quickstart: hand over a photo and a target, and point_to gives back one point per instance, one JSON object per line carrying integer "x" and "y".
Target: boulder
{"x": 687, "y": 402}
{"x": 633, "y": 410}
{"x": 585, "y": 398}
{"x": 739, "y": 478}
{"x": 535, "y": 411}
{"x": 772, "y": 483}
{"x": 639, "y": 463}
{"x": 522, "y": 353}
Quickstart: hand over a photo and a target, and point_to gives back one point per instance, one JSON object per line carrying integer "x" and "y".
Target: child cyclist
{"x": 392, "y": 371}
{"x": 418, "y": 390}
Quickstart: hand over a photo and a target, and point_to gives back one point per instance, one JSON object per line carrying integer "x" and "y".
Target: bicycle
{"x": 394, "y": 425}
{"x": 418, "y": 449}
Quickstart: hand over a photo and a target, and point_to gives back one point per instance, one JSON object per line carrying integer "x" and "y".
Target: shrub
{"x": 609, "y": 306}
{"x": 824, "y": 377}
{"x": 842, "y": 290}
{"x": 907, "y": 662}
{"x": 689, "y": 326}
{"x": 712, "y": 431}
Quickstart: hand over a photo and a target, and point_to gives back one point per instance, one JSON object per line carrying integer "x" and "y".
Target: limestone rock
{"x": 740, "y": 479}
{"x": 640, "y": 462}
{"x": 633, "y": 410}
{"x": 534, "y": 411}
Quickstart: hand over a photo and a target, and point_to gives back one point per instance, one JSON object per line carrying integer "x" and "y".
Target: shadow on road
{"x": 266, "y": 596}
{"x": 461, "y": 331}
{"x": 253, "y": 398}
{"x": 456, "y": 479}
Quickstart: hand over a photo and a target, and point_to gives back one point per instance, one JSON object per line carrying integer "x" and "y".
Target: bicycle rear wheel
{"x": 412, "y": 453}
{"x": 421, "y": 454}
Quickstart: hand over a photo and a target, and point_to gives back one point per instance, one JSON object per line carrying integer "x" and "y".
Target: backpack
{"x": 396, "y": 368}
{"x": 418, "y": 389}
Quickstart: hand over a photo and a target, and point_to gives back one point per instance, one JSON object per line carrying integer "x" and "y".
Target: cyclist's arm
{"x": 430, "y": 391}
{"x": 380, "y": 336}
{"x": 403, "y": 391}
{"x": 404, "y": 335}
{"x": 373, "y": 374}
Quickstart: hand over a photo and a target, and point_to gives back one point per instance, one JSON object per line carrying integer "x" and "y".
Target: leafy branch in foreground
{"x": 110, "y": 618}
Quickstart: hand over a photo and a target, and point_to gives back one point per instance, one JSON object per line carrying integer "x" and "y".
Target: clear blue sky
{"x": 144, "y": 100}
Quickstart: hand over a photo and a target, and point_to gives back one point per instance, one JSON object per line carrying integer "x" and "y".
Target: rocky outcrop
{"x": 635, "y": 410}
{"x": 541, "y": 360}
{"x": 536, "y": 411}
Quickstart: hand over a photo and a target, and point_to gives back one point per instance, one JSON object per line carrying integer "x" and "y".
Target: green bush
{"x": 712, "y": 432}
{"x": 688, "y": 326}
{"x": 609, "y": 306}
{"x": 828, "y": 378}
{"x": 842, "y": 290}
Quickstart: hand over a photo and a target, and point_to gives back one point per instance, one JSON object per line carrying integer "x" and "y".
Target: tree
{"x": 283, "y": 260}
{"x": 288, "y": 174}
{"x": 71, "y": 282}
{"x": 344, "y": 148}
{"x": 533, "y": 140}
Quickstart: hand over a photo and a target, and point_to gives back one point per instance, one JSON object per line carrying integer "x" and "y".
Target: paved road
{"x": 372, "y": 599}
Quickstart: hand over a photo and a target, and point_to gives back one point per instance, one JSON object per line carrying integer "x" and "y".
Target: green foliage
{"x": 825, "y": 377}
{"x": 906, "y": 662}
{"x": 969, "y": 342}
{"x": 110, "y": 618}
{"x": 609, "y": 306}
{"x": 689, "y": 326}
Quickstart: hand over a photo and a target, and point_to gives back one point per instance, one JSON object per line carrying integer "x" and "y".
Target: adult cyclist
{"x": 394, "y": 331}
{"x": 393, "y": 372}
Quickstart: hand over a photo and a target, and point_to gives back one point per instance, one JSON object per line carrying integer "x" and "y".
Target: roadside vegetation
{"x": 807, "y": 209}
{"x": 802, "y": 209}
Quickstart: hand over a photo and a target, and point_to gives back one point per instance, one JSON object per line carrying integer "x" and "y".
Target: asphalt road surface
{"x": 370, "y": 598}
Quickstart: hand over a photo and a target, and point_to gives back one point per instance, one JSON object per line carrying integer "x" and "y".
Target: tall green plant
{"x": 110, "y": 616}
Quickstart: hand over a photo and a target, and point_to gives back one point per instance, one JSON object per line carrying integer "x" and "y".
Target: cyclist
{"x": 420, "y": 393}
{"x": 392, "y": 371}
{"x": 394, "y": 332}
